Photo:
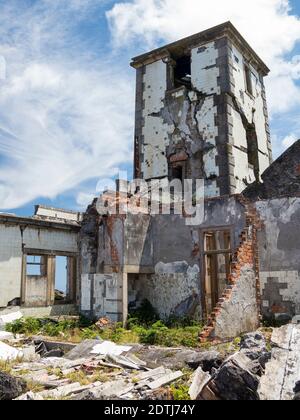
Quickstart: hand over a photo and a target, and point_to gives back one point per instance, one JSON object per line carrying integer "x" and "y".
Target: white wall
{"x": 248, "y": 103}
{"x": 11, "y": 242}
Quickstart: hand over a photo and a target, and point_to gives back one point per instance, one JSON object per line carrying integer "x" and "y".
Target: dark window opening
{"x": 252, "y": 150}
{"x": 248, "y": 78}
{"x": 177, "y": 172}
{"x": 183, "y": 72}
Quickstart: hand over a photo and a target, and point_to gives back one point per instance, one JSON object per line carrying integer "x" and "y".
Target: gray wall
{"x": 279, "y": 251}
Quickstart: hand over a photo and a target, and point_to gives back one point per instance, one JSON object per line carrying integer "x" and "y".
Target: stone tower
{"x": 201, "y": 112}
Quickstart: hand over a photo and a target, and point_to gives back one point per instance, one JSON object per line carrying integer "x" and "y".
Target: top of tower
{"x": 225, "y": 29}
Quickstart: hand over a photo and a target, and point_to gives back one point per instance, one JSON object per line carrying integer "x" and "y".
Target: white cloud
{"x": 268, "y": 25}
{"x": 289, "y": 140}
{"x": 65, "y": 116}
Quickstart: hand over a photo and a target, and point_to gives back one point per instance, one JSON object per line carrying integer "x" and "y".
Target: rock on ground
{"x": 10, "y": 387}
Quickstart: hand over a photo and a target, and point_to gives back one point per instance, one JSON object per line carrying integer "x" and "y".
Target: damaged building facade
{"x": 29, "y": 249}
{"x": 201, "y": 113}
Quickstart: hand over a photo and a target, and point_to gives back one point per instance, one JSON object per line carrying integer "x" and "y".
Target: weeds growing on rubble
{"x": 143, "y": 327}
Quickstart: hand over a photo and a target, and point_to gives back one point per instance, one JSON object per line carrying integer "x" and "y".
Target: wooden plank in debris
{"x": 165, "y": 380}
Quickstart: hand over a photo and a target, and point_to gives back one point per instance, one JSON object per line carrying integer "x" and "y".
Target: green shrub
{"x": 145, "y": 315}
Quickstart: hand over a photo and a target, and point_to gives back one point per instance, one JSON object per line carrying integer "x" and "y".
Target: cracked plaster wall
{"x": 253, "y": 109}
{"x": 240, "y": 313}
{"x": 207, "y": 121}
{"x": 279, "y": 249}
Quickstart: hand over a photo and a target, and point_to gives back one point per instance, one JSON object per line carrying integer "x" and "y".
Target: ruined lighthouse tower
{"x": 201, "y": 112}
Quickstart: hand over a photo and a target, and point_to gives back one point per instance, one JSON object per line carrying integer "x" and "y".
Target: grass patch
{"x": 143, "y": 327}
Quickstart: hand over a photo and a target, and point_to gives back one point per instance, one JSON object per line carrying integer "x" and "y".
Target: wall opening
{"x": 177, "y": 172}
{"x": 183, "y": 72}
{"x": 35, "y": 265}
{"x": 252, "y": 150}
{"x": 217, "y": 265}
{"x": 248, "y": 78}
{"x": 48, "y": 279}
{"x": 61, "y": 280}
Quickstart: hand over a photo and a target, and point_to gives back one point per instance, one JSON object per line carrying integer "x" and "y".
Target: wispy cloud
{"x": 66, "y": 106}
{"x": 66, "y": 115}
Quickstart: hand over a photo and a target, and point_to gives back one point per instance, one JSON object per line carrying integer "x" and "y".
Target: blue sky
{"x": 67, "y": 98}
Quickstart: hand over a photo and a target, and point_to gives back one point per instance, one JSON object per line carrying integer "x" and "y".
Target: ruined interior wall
{"x": 101, "y": 295}
{"x": 13, "y": 239}
{"x": 251, "y": 108}
{"x": 162, "y": 251}
{"x": 174, "y": 290}
{"x": 239, "y": 314}
{"x": 279, "y": 248}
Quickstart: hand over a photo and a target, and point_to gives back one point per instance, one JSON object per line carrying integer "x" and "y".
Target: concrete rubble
{"x": 101, "y": 370}
{"x": 121, "y": 375}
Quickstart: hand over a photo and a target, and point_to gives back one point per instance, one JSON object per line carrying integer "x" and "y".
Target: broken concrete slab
{"x": 83, "y": 349}
{"x": 200, "y": 380}
{"x": 65, "y": 390}
{"x": 283, "y": 370}
{"x": 207, "y": 360}
{"x": 45, "y": 346}
{"x": 9, "y": 353}
{"x": 110, "y": 348}
{"x": 123, "y": 361}
{"x": 9, "y": 317}
{"x": 6, "y": 336}
{"x": 177, "y": 358}
{"x": 165, "y": 380}
{"x": 29, "y": 396}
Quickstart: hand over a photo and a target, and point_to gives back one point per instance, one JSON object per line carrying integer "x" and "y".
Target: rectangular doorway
{"x": 217, "y": 258}
{"x": 61, "y": 280}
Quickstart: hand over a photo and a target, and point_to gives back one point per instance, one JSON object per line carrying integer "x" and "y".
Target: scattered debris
{"x": 104, "y": 323}
{"x": 83, "y": 349}
{"x": 108, "y": 347}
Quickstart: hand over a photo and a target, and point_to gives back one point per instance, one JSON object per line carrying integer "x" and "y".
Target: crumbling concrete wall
{"x": 15, "y": 236}
{"x": 279, "y": 248}
{"x": 174, "y": 290}
{"x": 160, "y": 254}
{"x": 238, "y": 310}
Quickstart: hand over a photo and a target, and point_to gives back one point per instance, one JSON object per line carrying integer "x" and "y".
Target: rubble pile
{"x": 103, "y": 370}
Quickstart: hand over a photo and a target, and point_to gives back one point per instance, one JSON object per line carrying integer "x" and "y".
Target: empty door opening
{"x": 61, "y": 280}
{"x": 217, "y": 266}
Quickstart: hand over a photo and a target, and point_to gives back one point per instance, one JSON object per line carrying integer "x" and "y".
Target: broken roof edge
{"x": 37, "y": 222}
{"x": 61, "y": 210}
{"x": 225, "y": 29}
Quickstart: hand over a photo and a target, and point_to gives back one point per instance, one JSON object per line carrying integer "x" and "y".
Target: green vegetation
{"x": 143, "y": 327}
{"x": 180, "y": 392}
